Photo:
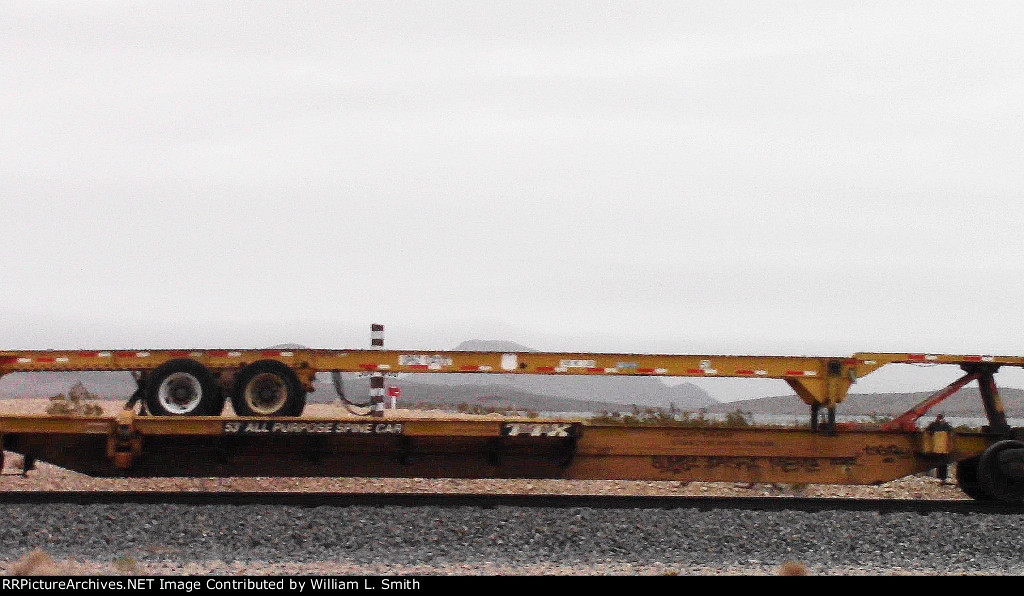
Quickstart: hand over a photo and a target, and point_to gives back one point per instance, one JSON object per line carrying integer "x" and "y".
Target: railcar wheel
{"x": 967, "y": 479}
{"x": 994, "y": 475}
{"x": 267, "y": 388}
{"x": 182, "y": 388}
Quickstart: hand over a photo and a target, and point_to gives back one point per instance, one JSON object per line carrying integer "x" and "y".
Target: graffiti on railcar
{"x": 811, "y": 464}
{"x": 676, "y": 463}
{"x": 888, "y": 453}
{"x": 733, "y": 462}
{"x": 688, "y": 463}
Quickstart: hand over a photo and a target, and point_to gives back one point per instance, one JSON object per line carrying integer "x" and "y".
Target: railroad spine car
{"x": 173, "y": 425}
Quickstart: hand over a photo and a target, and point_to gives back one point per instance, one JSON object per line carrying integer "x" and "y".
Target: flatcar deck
{"x": 131, "y": 445}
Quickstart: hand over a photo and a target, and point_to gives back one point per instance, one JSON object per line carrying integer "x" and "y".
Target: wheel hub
{"x": 266, "y": 393}
{"x": 180, "y": 392}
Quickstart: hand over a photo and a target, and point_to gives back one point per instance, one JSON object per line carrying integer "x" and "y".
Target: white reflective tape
{"x": 141, "y": 354}
{"x": 383, "y": 366}
{"x": 810, "y": 373}
{"x": 484, "y": 368}
{"x": 509, "y": 361}
{"x": 760, "y": 372}
{"x": 103, "y": 355}
{"x": 561, "y": 369}
{"x": 196, "y": 354}
{"x": 931, "y": 357}
{"x": 234, "y": 354}
{"x": 62, "y": 359}
{"x": 24, "y": 360}
{"x": 611, "y": 370}
{"x": 986, "y": 358}
{"x": 287, "y": 354}
{"x": 661, "y": 371}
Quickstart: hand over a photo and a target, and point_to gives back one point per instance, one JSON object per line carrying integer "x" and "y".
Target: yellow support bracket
{"x": 827, "y": 390}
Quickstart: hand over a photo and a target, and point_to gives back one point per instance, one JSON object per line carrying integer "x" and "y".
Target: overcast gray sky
{"x": 692, "y": 177}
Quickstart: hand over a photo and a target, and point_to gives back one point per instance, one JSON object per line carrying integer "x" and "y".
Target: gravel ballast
{"x": 469, "y": 540}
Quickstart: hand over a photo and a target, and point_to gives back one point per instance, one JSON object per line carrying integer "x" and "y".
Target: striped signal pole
{"x": 377, "y": 378}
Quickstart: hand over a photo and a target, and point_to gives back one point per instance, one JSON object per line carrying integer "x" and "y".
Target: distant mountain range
{"x": 963, "y": 403}
{"x": 548, "y": 393}
{"x": 605, "y": 393}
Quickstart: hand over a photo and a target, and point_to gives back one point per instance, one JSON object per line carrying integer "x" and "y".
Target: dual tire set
{"x": 185, "y": 387}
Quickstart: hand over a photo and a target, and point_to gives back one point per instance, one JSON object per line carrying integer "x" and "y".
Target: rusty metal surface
{"x": 466, "y": 448}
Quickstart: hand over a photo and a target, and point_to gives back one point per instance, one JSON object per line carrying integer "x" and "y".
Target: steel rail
{"x": 480, "y": 500}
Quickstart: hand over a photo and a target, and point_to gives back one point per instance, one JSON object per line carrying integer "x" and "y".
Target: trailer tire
{"x": 182, "y": 388}
{"x": 267, "y": 388}
{"x": 992, "y": 477}
{"x": 298, "y": 404}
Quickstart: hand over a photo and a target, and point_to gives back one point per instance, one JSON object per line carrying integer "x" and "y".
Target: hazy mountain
{"x": 966, "y": 402}
{"x": 538, "y": 392}
{"x": 642, "y": 391}
{"x": 46, "y": 384}
{"x": 357, "y": 389}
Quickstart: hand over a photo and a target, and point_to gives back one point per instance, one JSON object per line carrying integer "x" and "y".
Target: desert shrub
{"x": 739, "y": 418}
{"x": 78, "y": 402}
{"x": 127, "y": 566}
{"x": 674, "y": 417}
{"x": 37, "y": 562}
{"x": 793, "y": 568}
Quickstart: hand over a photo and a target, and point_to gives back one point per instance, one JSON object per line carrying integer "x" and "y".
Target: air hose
{"x": 339, "y": 388}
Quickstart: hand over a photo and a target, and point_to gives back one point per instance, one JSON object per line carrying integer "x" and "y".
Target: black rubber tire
{"x": 267, "y": 388}
{"x": 298, "y": 404}
{"x": 993, "y": 480}
{"x": 182, "y": 388}
{"x": 967, "y": 479}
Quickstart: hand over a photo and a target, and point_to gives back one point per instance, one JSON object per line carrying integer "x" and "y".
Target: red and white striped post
{"x": 377, "y": 378}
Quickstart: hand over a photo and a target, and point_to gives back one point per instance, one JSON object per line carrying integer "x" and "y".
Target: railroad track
{"x": 317, "y": 499}
{"x": 417, "y": 533}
